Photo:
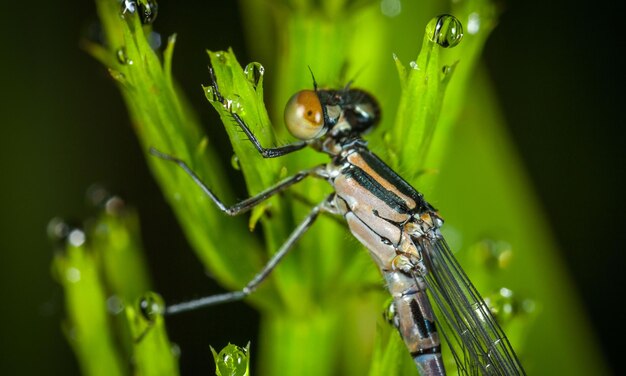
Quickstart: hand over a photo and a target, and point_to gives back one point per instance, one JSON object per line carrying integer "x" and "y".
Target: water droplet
{"x": 115, "y": 305}
{"x": 504, "y": 305}
{"x": 391, "y": 8}
{"x": 220, "y": 56}
{"x": 447, "y": 71}
{"x": 154, "y": 40}
{"x": 175, "y": 349}
{"x": 493, "y": 254}
{"x": 58, "y": 230}
{"x": 254, "y": 72}
{"x": 507, "y": 293}
{"x": 151, "y": 306}
{"x": 202, "y": 145}
{"x": 211, "y": 94}
{"x": 445, "y": 30}
{"x": 473, "y": 23}
{"x": 413, "y": 65}
{"x": 234, "y": 106}
{"x": 76, "y": 237}
{"x": 389, "y": 314}
{"x": 147, "y": 9}
{"x": 115, "y": 206}
{"x": 72, "y": 275}
{"x": 97, "y": 195}
{"x": 232, "y": 360}
{"x": 234, "y": 161}
{"x": 100, "y": 198}
{"x": 117, "y": 75}
{"x": 122, "y": 57}
{"x": 529, "y": 306}
{"x": 64, "y": 234}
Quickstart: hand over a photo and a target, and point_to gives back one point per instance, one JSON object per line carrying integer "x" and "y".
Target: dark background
{"x": 63, "y": 125}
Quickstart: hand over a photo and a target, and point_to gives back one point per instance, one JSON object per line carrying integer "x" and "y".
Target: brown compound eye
{"x": 304, "y": 116}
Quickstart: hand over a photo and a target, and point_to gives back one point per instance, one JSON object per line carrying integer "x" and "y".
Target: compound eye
{"x": 304, "y": 116}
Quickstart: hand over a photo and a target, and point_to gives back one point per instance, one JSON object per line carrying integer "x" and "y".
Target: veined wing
{"x": 479, "y": 345}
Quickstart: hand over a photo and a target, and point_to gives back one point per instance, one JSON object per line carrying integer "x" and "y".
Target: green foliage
{"x": 106, "y": 287}
{"x": 320, "y": 313}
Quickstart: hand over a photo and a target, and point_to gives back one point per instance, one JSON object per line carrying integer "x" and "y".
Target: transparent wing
{"x": 478, "y": 344}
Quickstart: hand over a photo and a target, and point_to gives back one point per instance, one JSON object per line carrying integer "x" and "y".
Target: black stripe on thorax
{"x": 388, "y": 174}
{"x": 370, "y": 184}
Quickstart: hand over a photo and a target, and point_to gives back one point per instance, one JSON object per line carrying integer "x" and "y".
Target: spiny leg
{"x": 265, "y": 152}
{"x": 248, "y": 203}
{"x": 260, "y": 276}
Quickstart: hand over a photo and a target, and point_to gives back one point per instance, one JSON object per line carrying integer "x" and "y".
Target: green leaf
{"x": 87, "y": 327}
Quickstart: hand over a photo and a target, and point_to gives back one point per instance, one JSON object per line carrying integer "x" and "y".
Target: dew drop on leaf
{"x": 232, "y": 361}
{"x": 445, "y": 30}
{"x": 122, "y": 58}
{"x": 505, "y": 305}
{"x": 64, "y": 234}
{"x": 115, "y": 305}
{"x": 72, "y": 275}
{"x": 76, "y": 237}
{"x": 234, "y": 161}
{"x": 254, "y": 73}
{"x": 96, "y": 195}
{"x": 154, "y": 40}
{"x": 58, "y": 230}
{"x": 117, "y": 76}
{"x": 151, "y": 306}
{"x": 391, "y": 8}
{"x": 234, "y": 106}
{"x": 493, "y": 254}
{"x": 221, "y": 57}
{"x": 147, "y": 9}
{"x": 473, "y": 23}
{"x": 211, "y": 94}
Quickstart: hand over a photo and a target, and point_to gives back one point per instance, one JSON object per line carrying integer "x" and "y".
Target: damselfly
{"x": 394, "y": 222}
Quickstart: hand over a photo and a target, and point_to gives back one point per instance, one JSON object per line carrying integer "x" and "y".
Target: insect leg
{"x": 260, "y": 276}
{"x": 265, "y": 152}
{"x": 247, "y": 204}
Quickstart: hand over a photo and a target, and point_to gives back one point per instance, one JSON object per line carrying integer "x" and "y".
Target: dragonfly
{"x": 394, "y": 222}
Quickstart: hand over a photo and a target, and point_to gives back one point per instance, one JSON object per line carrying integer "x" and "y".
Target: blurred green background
{"x": 63, "y": 126}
